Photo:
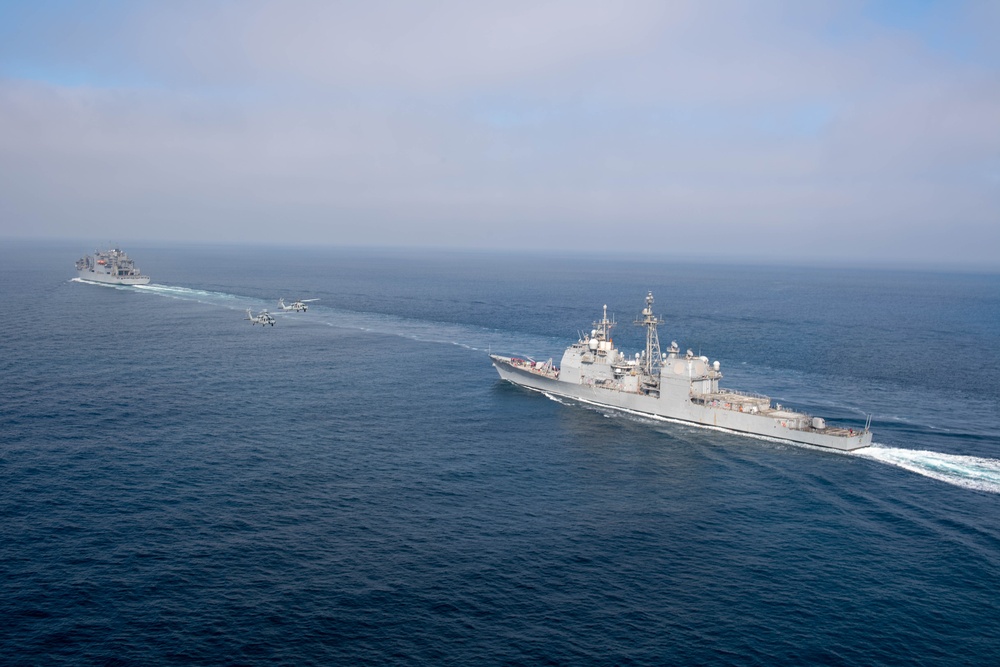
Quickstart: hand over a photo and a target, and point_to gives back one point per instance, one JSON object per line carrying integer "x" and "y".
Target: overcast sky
{"x": 854, "y": 130}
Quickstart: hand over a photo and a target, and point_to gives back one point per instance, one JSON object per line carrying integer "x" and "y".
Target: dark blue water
{"x": 356, "y": 486}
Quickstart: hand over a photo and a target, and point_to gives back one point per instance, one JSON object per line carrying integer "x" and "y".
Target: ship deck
{"x": 543, "y": 369}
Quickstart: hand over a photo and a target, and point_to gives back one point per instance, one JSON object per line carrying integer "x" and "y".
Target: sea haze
{"x": 355, "y": 485}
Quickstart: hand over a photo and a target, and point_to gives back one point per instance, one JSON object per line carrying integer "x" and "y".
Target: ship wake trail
{"x": 202, "y": 296}
{"x": 466, "y": 336}
{"x": 970, "y": 472}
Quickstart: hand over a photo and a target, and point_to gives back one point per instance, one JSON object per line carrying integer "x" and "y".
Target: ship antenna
{"x": 605, "y": 325}
{"x": 651, "y": 365}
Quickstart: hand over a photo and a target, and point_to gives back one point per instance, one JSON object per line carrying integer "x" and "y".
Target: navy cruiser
{"x": 673, "y": 385}
{"x": 110, "y": 266}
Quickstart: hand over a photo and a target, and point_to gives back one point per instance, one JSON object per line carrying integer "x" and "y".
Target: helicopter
{"x": 262, "y": 318}
{"x": 297, "y": 306}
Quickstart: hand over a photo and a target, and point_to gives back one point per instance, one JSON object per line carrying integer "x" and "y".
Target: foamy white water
{"x": 202, "y": 296}
{"x": 971, "y": 472}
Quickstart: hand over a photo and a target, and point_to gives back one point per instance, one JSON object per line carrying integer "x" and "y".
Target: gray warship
{"x": 110, "y": 266}
{"x": 673, "y": 385}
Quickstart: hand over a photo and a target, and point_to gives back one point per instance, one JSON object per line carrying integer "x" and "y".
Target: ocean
{"x": 355, "y": 485}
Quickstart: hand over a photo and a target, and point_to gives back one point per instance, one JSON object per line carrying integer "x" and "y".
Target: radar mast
{"x": 651, "y": 362}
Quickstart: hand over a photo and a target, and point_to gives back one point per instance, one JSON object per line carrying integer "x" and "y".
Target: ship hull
{"x": 705, "y": 416}
{"x": 97, "y": 277}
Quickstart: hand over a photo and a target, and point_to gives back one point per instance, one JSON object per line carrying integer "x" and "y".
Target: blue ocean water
{"x": 355, "y": 485}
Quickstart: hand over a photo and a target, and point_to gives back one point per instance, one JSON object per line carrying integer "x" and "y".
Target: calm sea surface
{"x": 355, "y": 485}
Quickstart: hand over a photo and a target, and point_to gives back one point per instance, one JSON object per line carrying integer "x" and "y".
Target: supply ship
{"x": 672, "y": 385}
{"x": 110, "y": 266}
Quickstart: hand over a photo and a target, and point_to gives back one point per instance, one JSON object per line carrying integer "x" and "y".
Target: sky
{"x": 844, "y": 131}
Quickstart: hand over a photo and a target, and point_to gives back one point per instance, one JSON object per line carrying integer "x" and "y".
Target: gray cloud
{"x": 752, "y": 130}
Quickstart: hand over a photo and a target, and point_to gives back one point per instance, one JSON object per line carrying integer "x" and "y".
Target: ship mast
{"x": 603, "y": 328}
{"x": 652, "y": 360}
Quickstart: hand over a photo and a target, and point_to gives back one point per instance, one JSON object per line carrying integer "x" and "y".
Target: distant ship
{"x": 676, "y": 386}
{"x": 110, "y": 266}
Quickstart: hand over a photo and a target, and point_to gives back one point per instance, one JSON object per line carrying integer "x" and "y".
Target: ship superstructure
{"x": 110, "y": 266}
{"x": 674, "y": 385}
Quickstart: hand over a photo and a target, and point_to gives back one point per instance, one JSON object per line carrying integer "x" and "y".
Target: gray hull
{"x": 771, "y": 424}
{"x": 98, "y": 277}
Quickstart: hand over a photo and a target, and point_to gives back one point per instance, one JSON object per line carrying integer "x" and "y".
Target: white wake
{"x": 970, "y": 472}
{"x": 188, "y": 294}
{"x": 466, "y": 336}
